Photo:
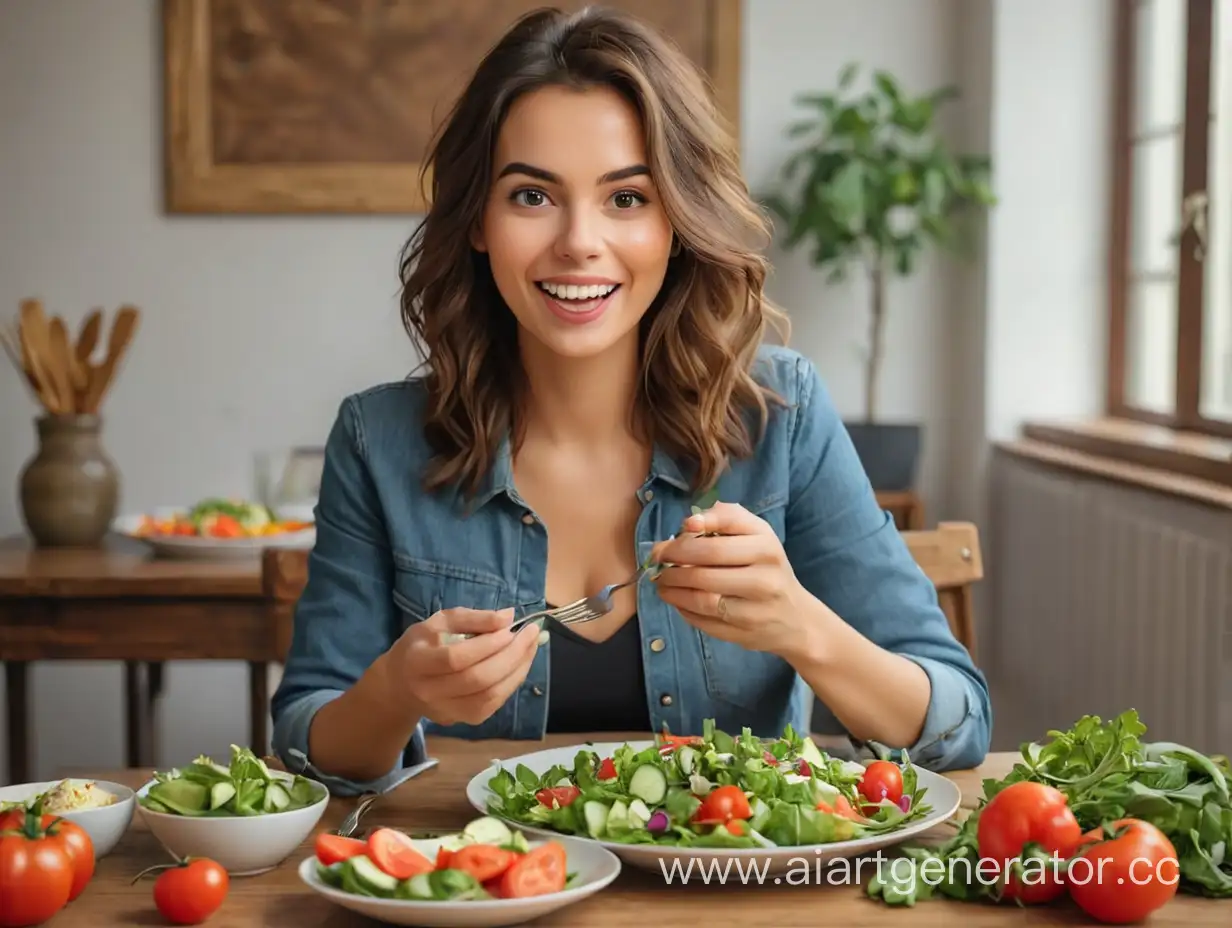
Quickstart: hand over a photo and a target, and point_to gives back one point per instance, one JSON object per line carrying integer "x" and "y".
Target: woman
{"x": 588, "y": 288}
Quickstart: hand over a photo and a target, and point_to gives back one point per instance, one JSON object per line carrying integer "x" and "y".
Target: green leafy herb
{"x": 245, "y": 787}
{"x": 1107, "y": 772}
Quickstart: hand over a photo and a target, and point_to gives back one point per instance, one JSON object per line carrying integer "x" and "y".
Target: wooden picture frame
{"x": 197, "y": 182}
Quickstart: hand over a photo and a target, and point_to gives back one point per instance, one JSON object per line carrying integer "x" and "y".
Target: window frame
{"x": 1195, "y": 152}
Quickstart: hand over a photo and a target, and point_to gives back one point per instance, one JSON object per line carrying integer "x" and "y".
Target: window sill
{"x": 1197, "y": 467}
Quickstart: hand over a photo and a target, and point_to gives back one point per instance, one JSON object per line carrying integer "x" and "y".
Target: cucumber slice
{"x": 648, "y": 784}
{"x": 617, "y": 817}
{"x": 221, "y": 794}
{"x": 488, "y": 830}
{"x": 417, "y": 887}
{"x": 639, "y": 814}
{"x": 596, "y": 817}
{"x": 276, "y": 798}
{"x": 371, "y": 877}
{"x": 687, "y": 758}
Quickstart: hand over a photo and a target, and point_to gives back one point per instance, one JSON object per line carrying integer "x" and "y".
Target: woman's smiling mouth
{"x": 577, "y": 302}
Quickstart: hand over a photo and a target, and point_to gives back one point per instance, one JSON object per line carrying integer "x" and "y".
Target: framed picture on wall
{"x": 309, "y": 106}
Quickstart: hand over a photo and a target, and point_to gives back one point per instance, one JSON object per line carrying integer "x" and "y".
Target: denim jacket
{"x": 388, "y": 554}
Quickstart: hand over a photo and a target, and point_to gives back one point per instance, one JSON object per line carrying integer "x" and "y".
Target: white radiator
{"x": 1105, "y": 597}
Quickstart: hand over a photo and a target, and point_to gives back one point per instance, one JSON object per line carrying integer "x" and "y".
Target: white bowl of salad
{"x": 666, "y": 803}
{"x": 487, "y": 874}
{"x": 243, "y": 815}
{"x": 219, "y": 529}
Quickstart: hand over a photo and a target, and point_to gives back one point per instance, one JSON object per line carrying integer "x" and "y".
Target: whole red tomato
{"x": 191, "y": 891}
{"x": 881, "y": 780}
{"x": 36, "y": 873}
{"x": 1127, "y": 877}
{"x": 1032, "y": 817}
{"x": 722, "y": 805}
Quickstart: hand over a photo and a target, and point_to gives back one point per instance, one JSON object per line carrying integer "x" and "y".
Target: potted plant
{"x": 874, "y": 186}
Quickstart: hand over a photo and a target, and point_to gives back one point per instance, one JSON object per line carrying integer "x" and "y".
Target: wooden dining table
{"x": 437, "y": 799}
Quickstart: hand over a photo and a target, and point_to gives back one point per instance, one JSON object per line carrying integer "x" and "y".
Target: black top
{"x": 596, "y": 686}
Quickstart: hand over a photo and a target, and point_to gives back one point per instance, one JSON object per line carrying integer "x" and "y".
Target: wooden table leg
{"x": 143, "y": 684}
{"x": 258, "y": 696}
{"x": 18, "y": 721}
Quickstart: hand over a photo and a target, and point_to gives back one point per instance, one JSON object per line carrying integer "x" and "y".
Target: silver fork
{"x": 583, "y": 610}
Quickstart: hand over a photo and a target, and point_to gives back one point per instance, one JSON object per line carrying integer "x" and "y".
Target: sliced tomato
{"x": 736, "y": 827}
{"x": 483, "y": 861}
{"x": 332, "y": 848}
{"x": 443, "y": 856}
{"x": 558, "y": 796}
{"x": 842, "y": 807}
{"x": 607, "y": 769}
{"x": 536, "y": 873}
{"x": 396, "y": 854}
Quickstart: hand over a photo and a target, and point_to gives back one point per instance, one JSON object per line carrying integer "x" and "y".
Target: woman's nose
{"x": 579, "y": 237}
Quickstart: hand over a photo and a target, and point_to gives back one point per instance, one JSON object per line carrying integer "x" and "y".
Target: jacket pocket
{"x": 423, "y": 588}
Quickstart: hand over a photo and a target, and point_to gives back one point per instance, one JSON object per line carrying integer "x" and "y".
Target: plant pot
{"x": 69, "y": 489}
{"x": 890, "y": 453}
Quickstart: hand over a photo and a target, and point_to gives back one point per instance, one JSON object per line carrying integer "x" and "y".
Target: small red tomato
{"x": 190, "y": 892}
{"x": 881, "y": 780}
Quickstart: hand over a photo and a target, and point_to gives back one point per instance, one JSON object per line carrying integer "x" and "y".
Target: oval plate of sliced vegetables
{"x": 218, "y": 529}
{"x": 684, "y": 805}
{"x": 487, "y": 874}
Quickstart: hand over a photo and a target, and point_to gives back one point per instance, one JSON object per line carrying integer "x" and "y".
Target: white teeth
{"x": 575, "y": 292}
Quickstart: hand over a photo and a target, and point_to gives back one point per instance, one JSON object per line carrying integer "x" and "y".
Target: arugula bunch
{"x": 1107, "y": 772}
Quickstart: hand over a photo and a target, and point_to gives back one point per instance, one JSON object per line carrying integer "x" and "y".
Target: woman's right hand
{"x": 466, "y": 680}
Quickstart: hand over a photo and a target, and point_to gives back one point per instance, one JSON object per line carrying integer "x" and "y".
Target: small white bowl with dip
{"x": 104, "y": 810}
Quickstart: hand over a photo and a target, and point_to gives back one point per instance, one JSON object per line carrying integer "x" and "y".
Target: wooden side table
{"x": 119, "y": 603}
{"x": 906, "y": 507}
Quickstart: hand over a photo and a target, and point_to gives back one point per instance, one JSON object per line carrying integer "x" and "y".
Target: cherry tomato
{"x": 607, "y": 769}
{"x": 881, "y": 780}
{"x": 483, "y": 861}
{"x": 558, "y": 796}
{"x": 36, "y": 872}
{"x": 722, "y": 805}
{"x": 1126, "y": 877}
{"x": 395, "y": 853}
{"x": 331, "y": 848}
{"x": 536, "y": 873}
{"x": 191, "y": 891}
{"x": 1021, "y": 814}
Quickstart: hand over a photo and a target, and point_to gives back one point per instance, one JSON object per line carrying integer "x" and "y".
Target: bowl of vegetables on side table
{"x": 244, "y": 816}
{"x": 219, "y": 529}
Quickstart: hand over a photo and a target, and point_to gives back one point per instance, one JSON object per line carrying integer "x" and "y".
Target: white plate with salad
{"x": 219, "y": 529}
{"x": 487, "y": 874}
{"x": 780, "y": 803}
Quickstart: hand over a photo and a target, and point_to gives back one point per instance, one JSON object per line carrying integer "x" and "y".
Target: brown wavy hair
{"x": 697, "y": 395}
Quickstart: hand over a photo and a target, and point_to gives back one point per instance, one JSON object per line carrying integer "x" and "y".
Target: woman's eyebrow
{"x": 521, "y": 167}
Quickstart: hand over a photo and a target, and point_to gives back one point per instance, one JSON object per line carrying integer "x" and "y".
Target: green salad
{"x": 244, "y": 787}
{"x": 713, "y": 790}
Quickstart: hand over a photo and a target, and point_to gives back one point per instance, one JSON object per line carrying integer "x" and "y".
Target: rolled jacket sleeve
{"x": 345, "y": 618}
{"x": 848, "y": 553}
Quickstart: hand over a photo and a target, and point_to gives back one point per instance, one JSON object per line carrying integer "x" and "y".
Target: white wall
{"x": 254, "y": 328}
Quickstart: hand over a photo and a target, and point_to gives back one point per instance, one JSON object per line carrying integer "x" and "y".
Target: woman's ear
{"x": 477, "y": 240}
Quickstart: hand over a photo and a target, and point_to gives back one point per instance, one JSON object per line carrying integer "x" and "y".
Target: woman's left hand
{"x": 737, "y": 585}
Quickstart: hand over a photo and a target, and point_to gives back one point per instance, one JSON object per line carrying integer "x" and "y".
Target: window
{"x": 1171, "y": 267}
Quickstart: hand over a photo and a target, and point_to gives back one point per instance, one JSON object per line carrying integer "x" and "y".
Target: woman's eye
{"x": 626, "y": 199}
{"x": 529, "y": 197}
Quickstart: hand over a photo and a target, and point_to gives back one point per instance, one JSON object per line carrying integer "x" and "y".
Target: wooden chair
{"x": 950, "y": 556}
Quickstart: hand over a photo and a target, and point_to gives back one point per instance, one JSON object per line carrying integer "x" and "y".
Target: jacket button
{"x": 536, "y": 690}
{"x": 649, "y": 495}
{"x": 528, "y": 519}
{"x": 665, "y": 699}
{"x": 657, "y": 644}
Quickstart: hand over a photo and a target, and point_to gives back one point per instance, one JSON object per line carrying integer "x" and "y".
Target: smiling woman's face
{"x": 576, "y": 236}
